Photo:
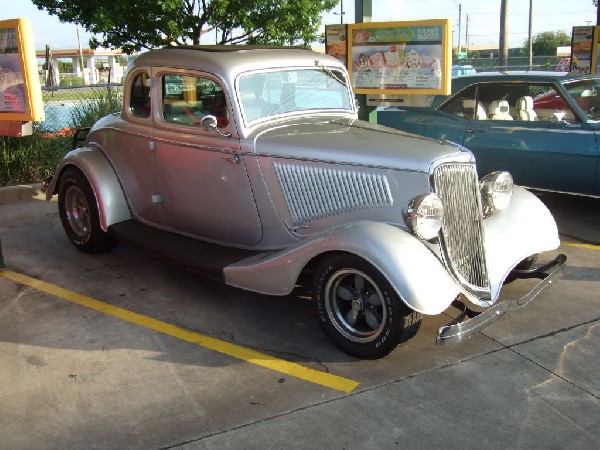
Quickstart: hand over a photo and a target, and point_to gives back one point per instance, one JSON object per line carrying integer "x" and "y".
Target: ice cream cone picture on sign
{"x": 394, "y": 58}
{"x": 413, "y": 60}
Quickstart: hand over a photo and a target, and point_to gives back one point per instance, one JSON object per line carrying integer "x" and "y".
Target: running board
{"x": 194, "y": 255}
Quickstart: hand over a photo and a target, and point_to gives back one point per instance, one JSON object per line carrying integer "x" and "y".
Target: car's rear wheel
{"x": 79, "y": 214}
{"x": 358, "y": 309}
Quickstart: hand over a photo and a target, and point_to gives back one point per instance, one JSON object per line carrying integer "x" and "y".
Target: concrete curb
{"x": 21, "y": 193}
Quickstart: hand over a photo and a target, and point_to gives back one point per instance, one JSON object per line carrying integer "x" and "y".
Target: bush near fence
{"x": 29, "y": 159}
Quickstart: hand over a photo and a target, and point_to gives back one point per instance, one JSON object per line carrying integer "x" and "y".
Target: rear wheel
{"x": 358, "y": 309}
{"x": 79, "y": 214}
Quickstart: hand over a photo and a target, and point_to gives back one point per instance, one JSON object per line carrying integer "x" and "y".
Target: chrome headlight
{"x": 425, "y": 214}
{"x": 496, "y": 191}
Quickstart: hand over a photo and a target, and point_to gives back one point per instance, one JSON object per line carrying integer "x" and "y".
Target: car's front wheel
{"x": 359, "y": 310}
{"x": 79, "y": 213}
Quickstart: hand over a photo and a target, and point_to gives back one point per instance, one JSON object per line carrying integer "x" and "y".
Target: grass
{"x": 29, "y": 159}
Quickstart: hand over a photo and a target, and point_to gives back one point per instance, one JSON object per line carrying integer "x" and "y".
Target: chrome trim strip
{"x": 459, "y": 330}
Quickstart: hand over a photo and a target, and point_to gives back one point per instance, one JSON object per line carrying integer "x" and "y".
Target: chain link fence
{"x": 65, "y": 107}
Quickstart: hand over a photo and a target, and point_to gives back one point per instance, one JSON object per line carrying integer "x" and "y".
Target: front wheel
{"x": 79, "y": 214}
{"x": 358, "y": 309}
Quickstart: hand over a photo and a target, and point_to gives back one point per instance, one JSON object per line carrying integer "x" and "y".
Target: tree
{"x": 134, "y": 25}
{"x": 546, "y": 42}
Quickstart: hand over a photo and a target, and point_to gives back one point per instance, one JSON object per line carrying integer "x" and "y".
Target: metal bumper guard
{"x": 460, "y": 329}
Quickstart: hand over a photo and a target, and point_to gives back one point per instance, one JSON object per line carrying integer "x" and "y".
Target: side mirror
{"x": 209, "y": 123}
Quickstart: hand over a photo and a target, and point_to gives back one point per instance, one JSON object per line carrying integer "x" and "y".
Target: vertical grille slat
{"x": 462, "y": 229}
{"x": 314, "y": 193}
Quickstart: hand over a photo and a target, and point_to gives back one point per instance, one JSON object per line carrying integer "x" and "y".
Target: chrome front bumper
{"x": 469, "y": 322}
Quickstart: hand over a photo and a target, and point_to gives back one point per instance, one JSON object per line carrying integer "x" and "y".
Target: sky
{"x": 483, "y": 19}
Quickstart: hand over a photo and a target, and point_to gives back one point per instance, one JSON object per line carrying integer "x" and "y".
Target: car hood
{"x": 348, "y": 141}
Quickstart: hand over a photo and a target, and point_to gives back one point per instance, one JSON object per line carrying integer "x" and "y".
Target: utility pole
{"x": 459, "y": 25}
{"x": 467, "y": 35}
{"x": 458, "y": 49}
{"x": 341, "y": 13}
{"x": 503, "y": 62}
{"x": 530, "y": 42}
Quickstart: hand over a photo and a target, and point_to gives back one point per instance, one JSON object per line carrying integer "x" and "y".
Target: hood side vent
{"x": 313, "y": 193}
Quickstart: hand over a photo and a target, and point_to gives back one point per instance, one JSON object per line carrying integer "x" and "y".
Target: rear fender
{"x": 415, "y": 273}
{"x": 110, "y": 199}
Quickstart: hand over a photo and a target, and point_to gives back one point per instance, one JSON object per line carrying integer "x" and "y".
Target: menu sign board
{"x": 582, "y": 42}
{"x": 400, "y": 57}
{"x": 20, "y": 92}
{"x": 335, "y": 41}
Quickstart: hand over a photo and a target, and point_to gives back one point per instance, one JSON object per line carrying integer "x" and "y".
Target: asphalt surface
{"x": 121, "y": 350}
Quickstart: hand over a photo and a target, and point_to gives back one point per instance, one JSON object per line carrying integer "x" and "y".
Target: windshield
{"x": 586, "y": 94}
{"x": 290, "y": 90}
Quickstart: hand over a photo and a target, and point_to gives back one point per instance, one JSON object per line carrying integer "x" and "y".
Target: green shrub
{"x": 29, "y": 159}
{"x": 86, "y": 113}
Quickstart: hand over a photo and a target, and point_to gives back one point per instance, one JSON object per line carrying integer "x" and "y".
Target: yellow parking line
{"x": 235, "y": 351}
{"x": 577, "y": 244}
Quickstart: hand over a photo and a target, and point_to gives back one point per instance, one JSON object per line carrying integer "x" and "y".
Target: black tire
{"x": 79, "y": 213}
{"x": 358, "y": 309}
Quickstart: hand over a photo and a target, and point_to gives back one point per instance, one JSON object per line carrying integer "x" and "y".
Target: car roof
{"x": 229, "y": 60}
{"x": 528, "y": 76}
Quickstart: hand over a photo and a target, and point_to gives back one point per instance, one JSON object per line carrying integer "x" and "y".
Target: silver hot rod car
{"x": 249, "y": 165}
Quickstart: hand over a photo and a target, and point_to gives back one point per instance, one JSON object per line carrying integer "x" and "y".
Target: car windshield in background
{"x": 270, "y": 93}
{"x": 586, "y": 93}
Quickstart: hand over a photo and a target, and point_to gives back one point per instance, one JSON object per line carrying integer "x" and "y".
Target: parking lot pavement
{"x": 94, "y": 354}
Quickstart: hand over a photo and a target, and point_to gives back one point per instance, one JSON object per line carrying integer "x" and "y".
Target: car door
{"x": 131, "y": 154}
{"x": 203, "y": 183}
{"x": 550, "y": 149}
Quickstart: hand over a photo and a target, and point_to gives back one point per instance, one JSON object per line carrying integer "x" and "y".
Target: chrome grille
{"x": 462, "y": 230}
{"x": 313, "y": 193}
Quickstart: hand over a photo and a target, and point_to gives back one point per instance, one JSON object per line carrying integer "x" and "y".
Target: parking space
{"x": 123, "y": 350}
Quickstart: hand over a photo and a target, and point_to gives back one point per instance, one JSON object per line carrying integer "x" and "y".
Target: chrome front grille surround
{"x": 462, "y": 235}
{"x": 312, "y": 193}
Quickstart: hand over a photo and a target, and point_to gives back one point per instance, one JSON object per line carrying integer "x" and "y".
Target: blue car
{"x": 541, "y": 126}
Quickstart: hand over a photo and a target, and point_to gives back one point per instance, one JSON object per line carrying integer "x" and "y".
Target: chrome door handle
{"x": 233, "y": 160}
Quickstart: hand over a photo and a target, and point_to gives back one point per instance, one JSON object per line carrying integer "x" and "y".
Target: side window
{"x": 523, "y": 102}
{"x": 139, "y": 102}
{"x": 187, "y": 99}
{"x": 464, "y": 104}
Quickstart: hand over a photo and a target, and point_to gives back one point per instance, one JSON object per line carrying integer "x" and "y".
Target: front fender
{"x": 110, "y": 199}
{"x": 416, "y": 274}
{"x": 525, "y": 228}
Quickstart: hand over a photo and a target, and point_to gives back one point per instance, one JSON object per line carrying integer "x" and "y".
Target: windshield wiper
{"x": 329, "y": 72}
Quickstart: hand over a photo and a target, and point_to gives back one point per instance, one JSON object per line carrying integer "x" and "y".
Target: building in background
{"x": 88, "y": 67}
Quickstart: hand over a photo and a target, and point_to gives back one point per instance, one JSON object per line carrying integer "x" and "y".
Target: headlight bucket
{"x": 425, "y": 214}
{"x": 496, "y": 191}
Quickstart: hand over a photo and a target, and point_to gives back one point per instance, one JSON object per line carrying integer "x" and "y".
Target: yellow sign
{"x": 20, "y": 92}
{"x": 400, "y": 57}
